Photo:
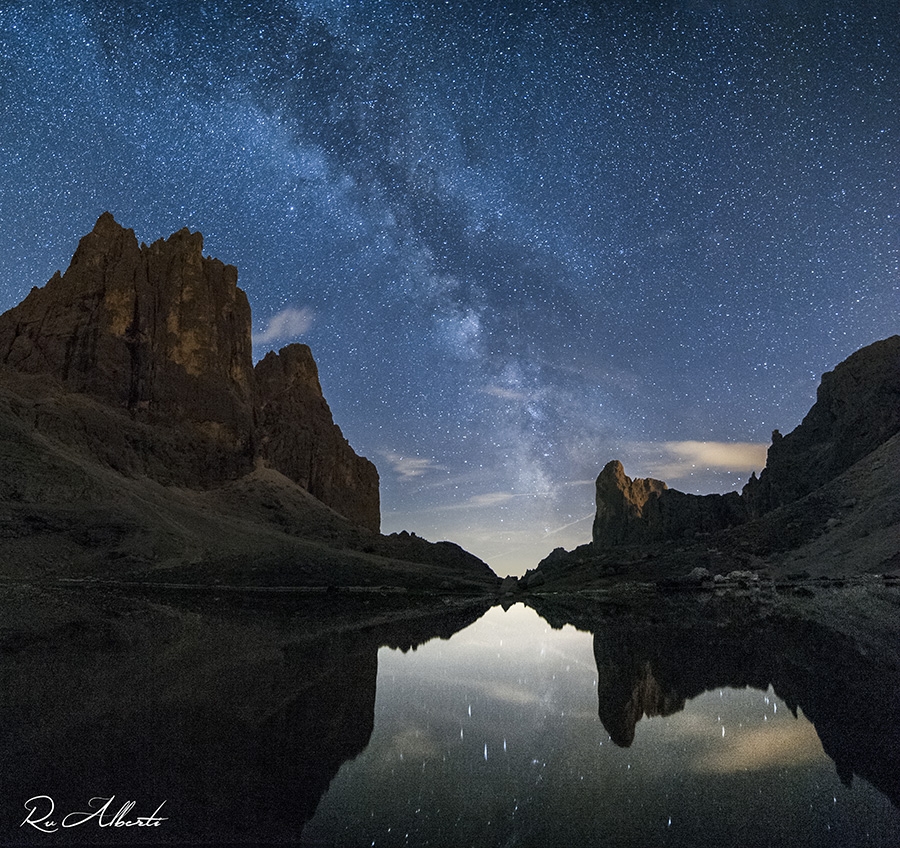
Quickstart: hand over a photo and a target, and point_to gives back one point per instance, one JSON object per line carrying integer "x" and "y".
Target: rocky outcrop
{"x": 857, "y": 410}
{"x": 297, "y": 435}
{"x": 164, "y": 334}
{"x": 621, "y": 504}
{"x": 160, "y": 330}
{"x": 645, "y": 510}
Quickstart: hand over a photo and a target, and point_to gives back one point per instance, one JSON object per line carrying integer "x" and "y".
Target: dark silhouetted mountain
{"x": 857, "y": 409}
{"x": 136, "y": 434}
{"x": 644, "y": 510}
{"x": 831, "y": 475}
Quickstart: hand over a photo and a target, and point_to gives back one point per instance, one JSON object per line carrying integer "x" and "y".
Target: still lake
{"x": 364, "y": 721}
{"x": 493, "y": 738}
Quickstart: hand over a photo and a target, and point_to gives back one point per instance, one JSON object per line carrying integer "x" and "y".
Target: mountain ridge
{"x": 823, "y": 491}
{"x": 137, "y": 437}
{"x": 165, "y": 333}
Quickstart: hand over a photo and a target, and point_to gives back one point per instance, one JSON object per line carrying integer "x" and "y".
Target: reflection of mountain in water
{"x": 238, "y": 723}
{"x": 656, "y": 652}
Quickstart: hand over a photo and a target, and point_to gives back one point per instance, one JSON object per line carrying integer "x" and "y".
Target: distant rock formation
{"x": 643, "y": 510}
{"x": 621, "y": 503}
{"x": 856, "y": 411}
{"x": 646, "y": 510}
{"x": 165, "y": 333}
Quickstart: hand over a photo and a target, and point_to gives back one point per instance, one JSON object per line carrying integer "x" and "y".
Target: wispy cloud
{"x": 285, "y": 325}
{"x": 409, "y": 467}
{"x": 675, "y": 459}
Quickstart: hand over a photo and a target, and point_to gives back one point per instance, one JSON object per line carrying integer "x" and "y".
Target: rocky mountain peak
{"x": 622, "y": 502}
{"x": 293, "y": 365}
{"x": 297, "y": 435}
{"x": 158, "y": 330}
{"x": 107, "y": 238}
{"x": 165, "y": 333}
{"x": 857, "y": 409}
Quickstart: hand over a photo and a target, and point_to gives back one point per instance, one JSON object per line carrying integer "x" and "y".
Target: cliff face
{"x": 622, "y": 505}
{"x": 160, "y": 330}
{"x": 857, "y": 410}
{"x": 165, "y": 333}
{"x": 297, "y": 435}
{"x": 647, "y": 510}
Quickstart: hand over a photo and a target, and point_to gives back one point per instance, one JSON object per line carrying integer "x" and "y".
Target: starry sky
{"x": 521, "y": 238}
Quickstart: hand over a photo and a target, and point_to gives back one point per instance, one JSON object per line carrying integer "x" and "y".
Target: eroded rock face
{"x": 160, "y": 330}
{"x": 622, "y": 505}
{"x": 646, "y": 510}
{"x": 298, "y": 437}
{"x": 857, "y": 409}
{"x": 165, "y": 333}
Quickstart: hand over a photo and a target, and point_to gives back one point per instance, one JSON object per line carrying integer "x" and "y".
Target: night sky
{"x": 521, "y": 239}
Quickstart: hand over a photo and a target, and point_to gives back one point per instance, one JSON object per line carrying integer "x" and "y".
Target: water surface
{"x": 494, "y": 738}
{"x": 352, "y": 720}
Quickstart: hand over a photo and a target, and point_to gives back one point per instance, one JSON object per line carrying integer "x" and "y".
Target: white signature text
{"x": 41, "y": 815}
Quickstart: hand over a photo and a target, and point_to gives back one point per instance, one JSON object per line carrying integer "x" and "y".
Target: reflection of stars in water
{"x": 677, "y": 774}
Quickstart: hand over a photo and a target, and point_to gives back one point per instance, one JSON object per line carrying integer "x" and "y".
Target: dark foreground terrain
{"x": 67, "y": 509}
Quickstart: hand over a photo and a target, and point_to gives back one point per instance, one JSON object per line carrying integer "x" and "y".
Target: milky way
{"x": 521, "y": 239}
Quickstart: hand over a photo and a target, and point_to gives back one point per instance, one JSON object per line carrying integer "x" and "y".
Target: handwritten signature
{"x": 41, "y": 808}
